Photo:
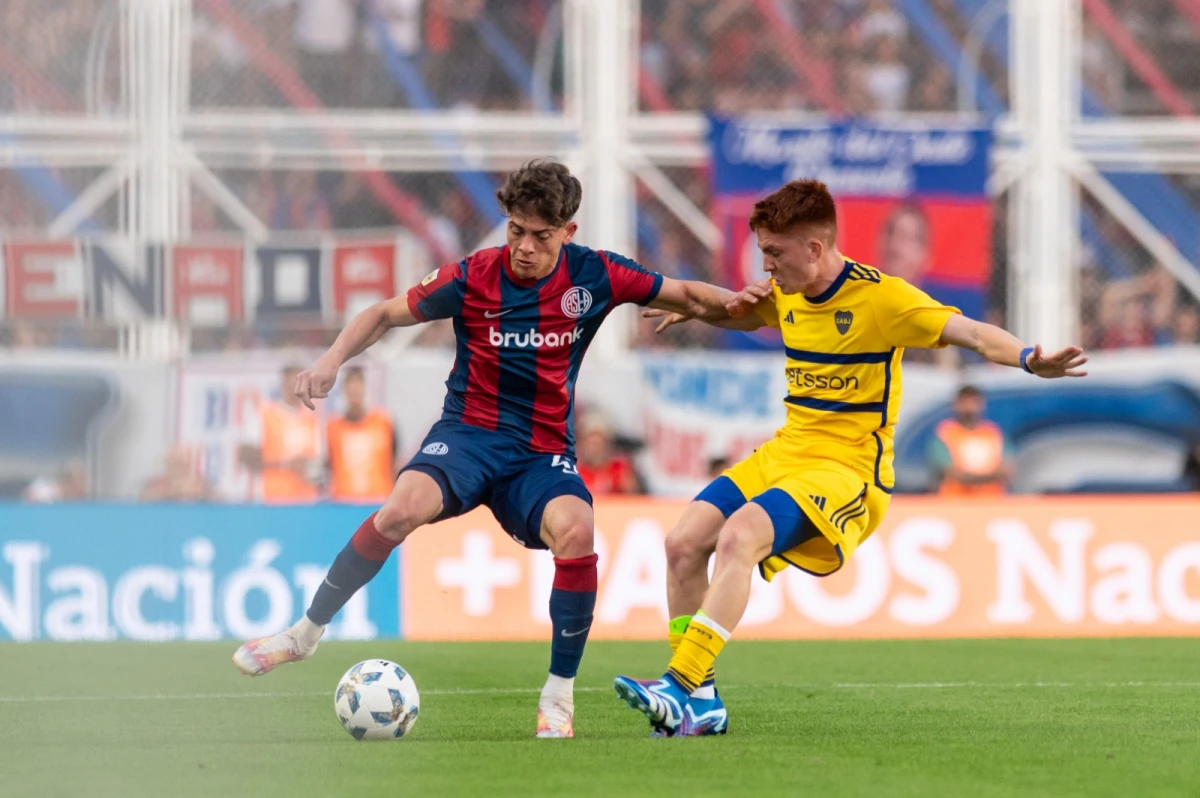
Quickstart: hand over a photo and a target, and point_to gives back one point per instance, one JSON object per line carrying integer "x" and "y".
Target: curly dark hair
{"x": 542, "y": 188}
{"x": 799, "y": 202}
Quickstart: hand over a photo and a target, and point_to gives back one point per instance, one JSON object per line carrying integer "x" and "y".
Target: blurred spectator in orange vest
{"x": 361, "y": 446}
{"x": 603, "y": 469}
{"x": 968, "y": 455}
{"x": 283, "y": 443}
{"x": 179, "y": 481}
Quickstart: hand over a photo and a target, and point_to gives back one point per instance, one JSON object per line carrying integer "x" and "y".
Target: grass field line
{"x": 1002, "y": 685}
{"x": 39, "y": 699}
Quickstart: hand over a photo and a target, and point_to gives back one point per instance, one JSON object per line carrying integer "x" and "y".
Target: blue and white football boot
{"x": 660, "y": 700}
{"x": 703, "y": 717}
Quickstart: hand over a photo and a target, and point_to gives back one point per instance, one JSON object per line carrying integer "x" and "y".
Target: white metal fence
{"x": 164, "y": 120}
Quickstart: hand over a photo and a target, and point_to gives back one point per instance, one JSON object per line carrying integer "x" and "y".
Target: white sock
{"x": 705, "y": 693}
{"x": 559, "y": 690}
{"x": 721, "y": 631}
{"x": 306, "y": 632}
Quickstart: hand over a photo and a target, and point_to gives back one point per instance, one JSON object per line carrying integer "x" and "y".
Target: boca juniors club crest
{"x": 843, "y": 319}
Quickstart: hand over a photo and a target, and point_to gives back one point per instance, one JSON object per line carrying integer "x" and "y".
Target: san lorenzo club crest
{"x": 843, "y": 319}
{"x": 576, "y": 302}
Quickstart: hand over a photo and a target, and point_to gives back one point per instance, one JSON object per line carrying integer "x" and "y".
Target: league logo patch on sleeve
{"x": 429, "y": 278}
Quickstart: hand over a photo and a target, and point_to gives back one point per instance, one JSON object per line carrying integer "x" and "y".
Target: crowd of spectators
{"x": 46, "y": 49}
{"x": 63, "y": 55}
{"x": 747, "y": 55}
{"x": 734, "y": 56}
{"x": 725, "y": 55}
{"x": 338, "y": 50}
{"x": 1130, "y": 299}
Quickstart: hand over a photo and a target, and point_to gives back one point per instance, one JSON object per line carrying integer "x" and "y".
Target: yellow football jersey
{"x": 843, "y": 366}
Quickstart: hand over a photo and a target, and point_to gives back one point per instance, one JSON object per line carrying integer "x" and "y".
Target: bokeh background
{"x": 195, "y": 195}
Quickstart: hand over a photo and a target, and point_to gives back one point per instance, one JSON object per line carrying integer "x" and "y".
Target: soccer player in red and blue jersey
{"x": 524, "y": 315}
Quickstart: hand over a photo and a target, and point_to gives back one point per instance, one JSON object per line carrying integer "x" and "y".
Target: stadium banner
{"x": 43, "y": 279}
{"x": 210, "y": 282}
{"x": 362, "y": 273}
{"x": 912, "y": 197}
{"x": 1020, "y": 567}
{"x": 158, "y": 572}
{"x": 1015, "y": 568}
{"x": 696, "y": 408}
{"x": 219, "y": 398}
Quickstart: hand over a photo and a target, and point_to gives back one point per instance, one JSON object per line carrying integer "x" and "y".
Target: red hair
{"x": 800, "y": 202}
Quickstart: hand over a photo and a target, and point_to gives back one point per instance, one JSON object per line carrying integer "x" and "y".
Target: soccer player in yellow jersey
{"x": 812, "y": 494}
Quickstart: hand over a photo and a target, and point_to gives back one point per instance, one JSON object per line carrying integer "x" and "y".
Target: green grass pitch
{"x": 941, "y": 718}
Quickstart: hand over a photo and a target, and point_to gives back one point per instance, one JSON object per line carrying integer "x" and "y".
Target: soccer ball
{"x": 377, "y": 700}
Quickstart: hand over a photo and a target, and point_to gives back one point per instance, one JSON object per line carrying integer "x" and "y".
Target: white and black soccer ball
{"x": 377, "y": 700}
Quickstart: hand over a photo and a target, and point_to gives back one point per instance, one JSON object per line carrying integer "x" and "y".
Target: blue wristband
{"x": 1025, "y": 353}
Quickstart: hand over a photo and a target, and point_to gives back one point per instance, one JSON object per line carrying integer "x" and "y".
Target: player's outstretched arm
{"x": 363, "y": 330}
{"x": 693, "y": 299}
{"x": 738, "y": 312}
{"x": 1002, "y": 347}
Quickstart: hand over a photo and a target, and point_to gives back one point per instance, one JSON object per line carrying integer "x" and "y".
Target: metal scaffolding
{"x": 156, "y": 150}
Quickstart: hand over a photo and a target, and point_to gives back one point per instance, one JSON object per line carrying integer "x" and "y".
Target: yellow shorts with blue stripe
{"x": 841, "y": 508}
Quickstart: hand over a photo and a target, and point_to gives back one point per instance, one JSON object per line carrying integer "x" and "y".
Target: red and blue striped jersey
{"x": 520, "y": 343}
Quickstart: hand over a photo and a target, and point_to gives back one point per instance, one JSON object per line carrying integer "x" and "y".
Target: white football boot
{"x": 296, "y": 643}
{"x": 556, "y": 709}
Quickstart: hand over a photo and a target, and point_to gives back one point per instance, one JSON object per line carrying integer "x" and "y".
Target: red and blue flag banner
{"x": 362, "y": 272}
{"x": 211, "y": 282}
{"x": 912, "y": 198}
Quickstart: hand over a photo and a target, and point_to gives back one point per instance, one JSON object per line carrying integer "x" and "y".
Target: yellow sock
{"x": 694, "y": 658}
{"x": 675, "y": 636}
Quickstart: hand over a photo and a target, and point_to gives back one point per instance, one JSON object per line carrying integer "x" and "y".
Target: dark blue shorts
{"x": 792, "y": 526}
{"x": 475, "y": 466}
